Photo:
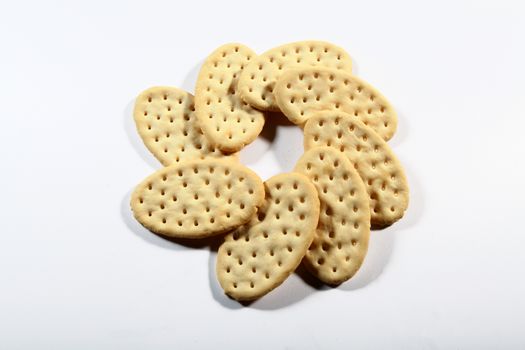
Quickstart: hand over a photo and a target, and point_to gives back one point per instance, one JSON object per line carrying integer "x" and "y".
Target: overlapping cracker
{"x": 341, "y": 240}
{"x": 260, "y": 255}
{"x": 373, "y": 159}
{"x": 228, "y": 121}
{"x": 258, "y": 78}
{"x": 302, "y": 91}
{"x": 197, "y": 198}
{"x": 167, "y": 124}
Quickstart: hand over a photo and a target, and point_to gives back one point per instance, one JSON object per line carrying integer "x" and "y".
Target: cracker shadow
{"x": 402, "y": 132}
{"x": 288, "y": 145}
{"x": 161, "y": 241}
{"x": 355, "y": 66}
{"x": 134, "y": 137}
{"x": 253, "y": 152}
{"x": 380, "y": 250}
{"x": 310, "y": 279}
{"x": 416, "y": 204}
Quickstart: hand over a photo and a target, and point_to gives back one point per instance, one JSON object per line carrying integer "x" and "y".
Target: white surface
{"x": 77, "y": 272}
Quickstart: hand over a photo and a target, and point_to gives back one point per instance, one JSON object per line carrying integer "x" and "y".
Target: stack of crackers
{"x": 347, "y": 181}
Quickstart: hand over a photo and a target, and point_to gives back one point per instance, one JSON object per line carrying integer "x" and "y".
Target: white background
{"x": 77, "y": 272}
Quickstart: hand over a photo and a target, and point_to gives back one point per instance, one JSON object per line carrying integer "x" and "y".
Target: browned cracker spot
{"x": 228, "y": 121}
{"x": 167, "y": 124}
{"x": 197, "y": 198}
{"x": 257, "y": 80}
{"x": 260, "y": 255}
{"x": 303, "y": 91}
{"x": 341, "y": 239}
{"x": 381, "y": 171}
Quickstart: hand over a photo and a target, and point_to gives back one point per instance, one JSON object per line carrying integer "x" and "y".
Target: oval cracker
{"x": 302, "y": 91}
{"x": 341, "y": 240}
{"x": 228, "y": 121}
{"x": 257, "y": 80}
{"x": 373, "y": 159}
{"x": 166, "y": 122}
{"x": 197, "y": 198}
{"x": 260, "y": 255}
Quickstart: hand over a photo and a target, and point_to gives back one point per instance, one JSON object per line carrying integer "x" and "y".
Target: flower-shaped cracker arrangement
{"x": 347, "y": 181}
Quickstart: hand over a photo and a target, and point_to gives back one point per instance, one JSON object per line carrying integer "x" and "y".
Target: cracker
{"x": 197, "y": 198}
{"x": 341, "y": 239}
{"x": 302, "y": 91}
{"x": 167, "y": 124}
{"x": 227, "y": 121}
{"x": 260, "y": 255}
{"x": 257, "y": 80}
{"x": 373, "y": 159}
